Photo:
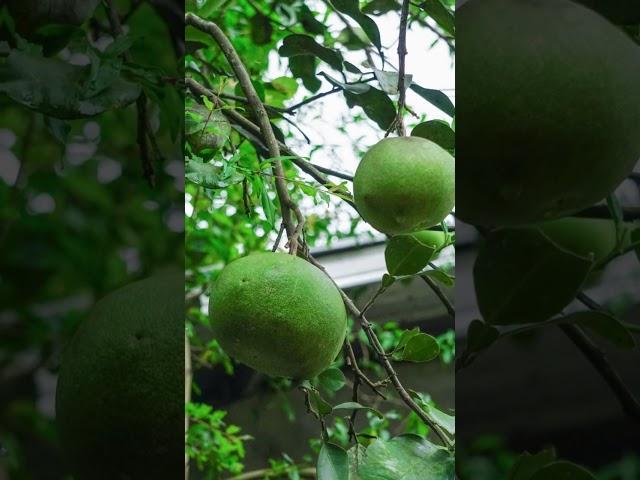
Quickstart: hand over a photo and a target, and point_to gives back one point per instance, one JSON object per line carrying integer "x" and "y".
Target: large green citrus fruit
{"x": 549, "y": 109}
{"x": 623, "y": 12}
{"x": 120, "y": 395}
{"x": 205, "y": 129}
{"x": 278, "y": 314}
{"x": 405, "y": 184}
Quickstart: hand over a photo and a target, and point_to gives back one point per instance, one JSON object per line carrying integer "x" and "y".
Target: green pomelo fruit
{"x": 622, "y": 12}
{"x": 206, "y": 129}
{"x": 549, "y": 110}
{"x": 405, "y": 184}
{"x": 120, "y": 394}
{"x": 278, "y": 314}
{"x": 586, "y": 237}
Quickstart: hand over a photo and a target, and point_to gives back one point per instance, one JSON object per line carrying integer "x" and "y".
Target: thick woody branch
{"x": 260, "y": 113}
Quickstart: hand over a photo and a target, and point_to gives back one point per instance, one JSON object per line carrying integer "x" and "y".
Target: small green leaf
{"x": 527, "y": 464}
{"x": 332, "y": 379}
{"x": 389, "y": 81}
{"x": 261, "y": 29}
{"x": 333, "y": 463}
{"x": 376, "y": 104}
{"x": 441, "y": 277}
{"x": 438, "y": 131}
{"x": 405, "y": 337}
{"x": 480, "y": 336}
{"x": 304, "y": 68}
{"x": 352, "y": 9}
{"x": 419, "y": 348}
{"x": 521, "y": 276}
{"x": 441, "y": 14}
{"x": 605, "y": 325}
{"x": 298, "y": 44}
{"x": 406, "y": 254}
{"x": 407, "y": 457}
{"x": 562, "y": 470}
{"x": 357, "y": 406}
{"x": 435, "y": 98}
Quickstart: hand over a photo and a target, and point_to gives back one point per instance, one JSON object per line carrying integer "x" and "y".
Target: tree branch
{"x": 598, "y": 359}
{"x": 440, "y": 294}
{"x": 402, "y": 53}
{"x": 386, "y": 364}
{"x": 286, "y": 203}
{"x": 308, "y": 472}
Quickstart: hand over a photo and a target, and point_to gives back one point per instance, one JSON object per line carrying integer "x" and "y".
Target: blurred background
{"x": 78, "y": 218}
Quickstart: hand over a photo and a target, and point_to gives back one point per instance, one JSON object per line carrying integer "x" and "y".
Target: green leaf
{"x": 298, "y": 44}
{"x": 407, "y": 457}
{"x": 605, "y": 325}
{"x": 389, "y": 81}
{"x": 332, "y": 379}
{"x": 446, "y": 421}
{"x": 405, "y": 337}
{"x": 441, "y": 14}
{"x": 440, "y": 276}
{"x": 357, "y": 406}
{"x": 59, "y": 89}
{"x": 376, "y": 104}
{"x": 527, "y": 464}
{"x": 521, "y": 276}
{"x": 304, "y": 68}
{"x": 406, "y": 254}
{"x": 318, "y": 405}
{"x": 210, "y": 176}
{"x": 352, "y": 9}
{"x": 419, "y": 348}
{"x": 562, "y": 470}
{"x": 351, "y": 68}
{"x": 480, "y": 336}
{"x": 438, "y": 131}
{"x": 261, "y": 29}
{"x": 435, "y": 98}
{"x": 333, "y": 463}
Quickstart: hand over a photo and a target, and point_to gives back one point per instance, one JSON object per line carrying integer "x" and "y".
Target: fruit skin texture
{"x": 215, "y": 132}
{"x": 623, "y": 12}
{"x": 120, "y": 394}
{"x": 550, "y": 107}
{"x": 278, "y": 314}
{"x": 405, "y": 184}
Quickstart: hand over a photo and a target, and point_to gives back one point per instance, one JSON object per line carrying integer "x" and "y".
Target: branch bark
{"x": 402, "y": 53}
{"x": 286, "y": 203}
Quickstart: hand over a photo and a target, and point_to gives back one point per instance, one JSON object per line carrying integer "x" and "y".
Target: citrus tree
{"x": 539, "y": 177}
{"x": 258, "y": 202}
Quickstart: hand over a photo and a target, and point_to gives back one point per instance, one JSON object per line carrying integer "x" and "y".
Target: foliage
{"x": 292, "y": 50}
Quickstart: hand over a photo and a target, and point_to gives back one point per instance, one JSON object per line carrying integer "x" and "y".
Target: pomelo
{"x": 549, "y": 110}
{"x": 404, "y": 184}
{"x": 120, "y": 394}
{"x": 206, "y": 129}
{"x": 278, "y": 314}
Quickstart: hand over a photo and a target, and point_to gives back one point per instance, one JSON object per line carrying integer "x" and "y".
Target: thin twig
{"x": 599, "y": 360}
{"x": 286, "y": 203}
{"x": 144, "y": 130}
{"x": 386, "y": 364}
{"x": 353, "y": 363}
{"x": 307, "y": 167}
{"x": 440, "y": 294}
